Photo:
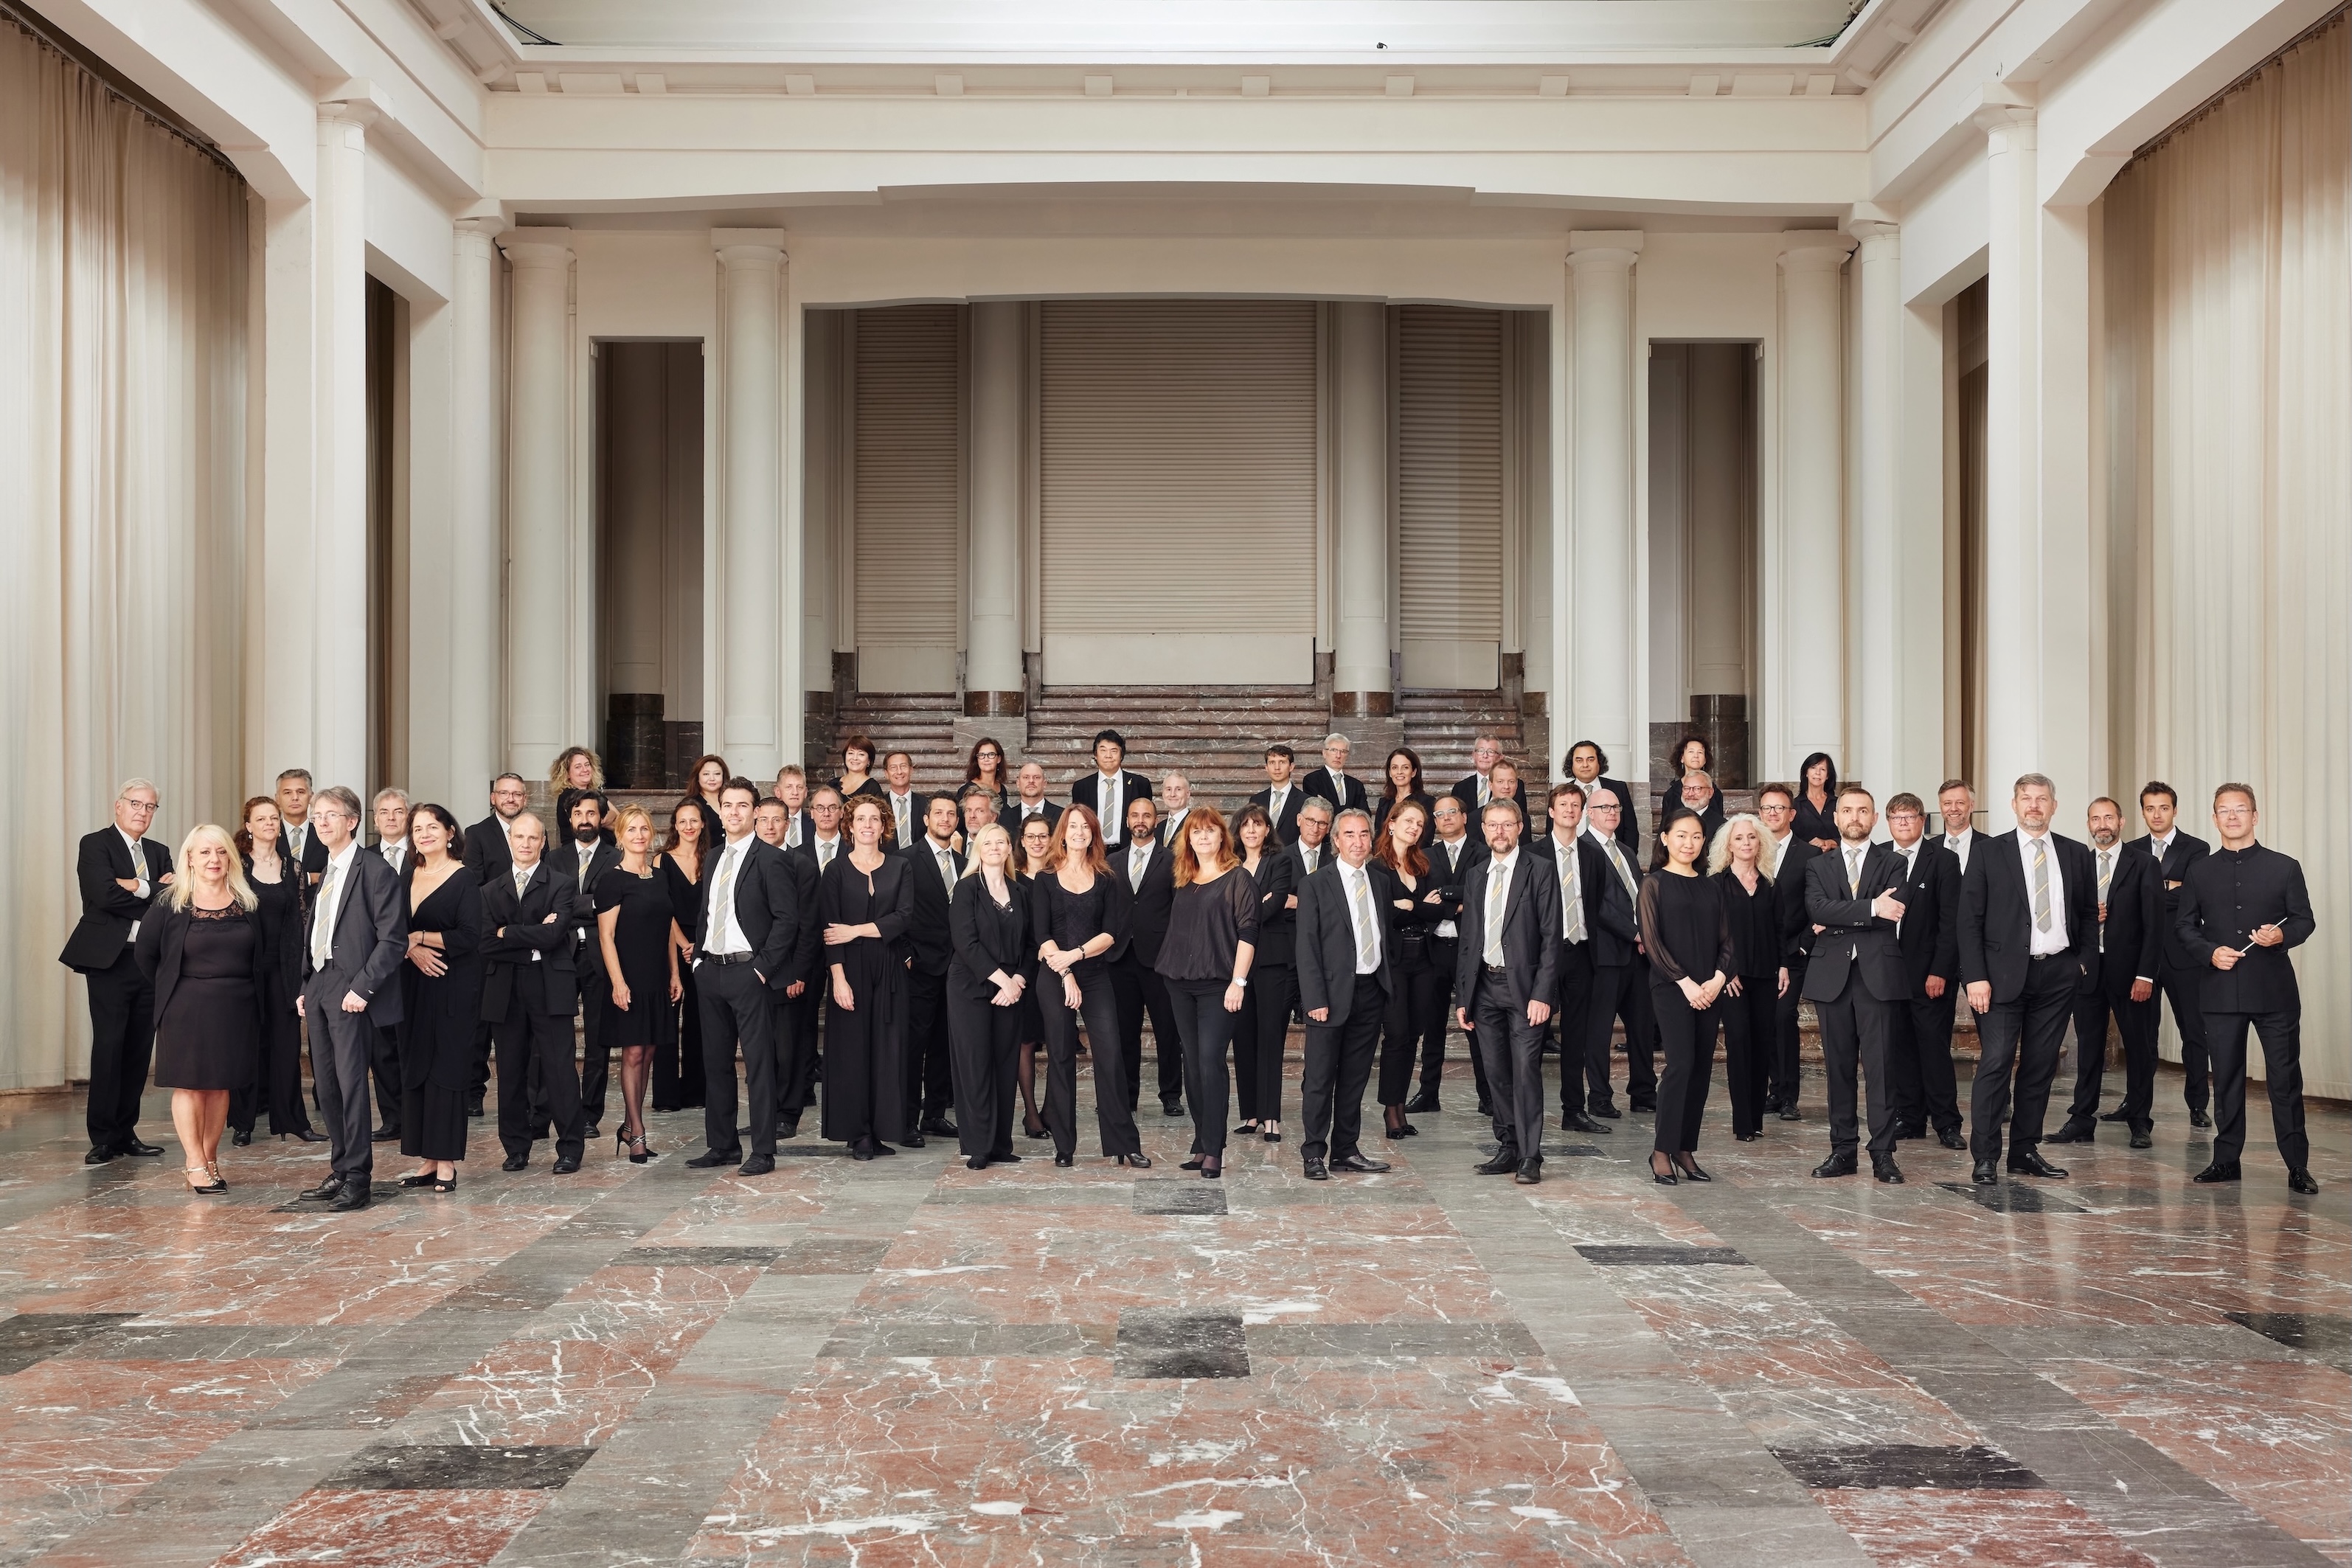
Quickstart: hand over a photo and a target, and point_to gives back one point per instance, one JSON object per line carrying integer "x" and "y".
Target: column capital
{"x": 752, "y": 245}
{"x": 357, "y": 102}
{"x": 1814, "y": 250}
{"x": 1880, "y": 240}
{"x": 549, "y": 247}
{"x": 2003, "y": 111}
{"x": 1603, "y": 246}
{"x": 485, "y": 219}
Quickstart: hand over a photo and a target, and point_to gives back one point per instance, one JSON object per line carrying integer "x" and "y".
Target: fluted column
{"x": 538, "y": 500}
{"x": 1877, "y": 421}
{"x": 1361, "y": 687}
{"x": 338, "y": 641}
{"x": 2012, "y": 654}
{"x": 1599, "y": 701}
{"x": 1809, "y": 631}
{"x": 750, "y": 506}
{"x": 477, "y": 543}
{"x": 994, "y": 688}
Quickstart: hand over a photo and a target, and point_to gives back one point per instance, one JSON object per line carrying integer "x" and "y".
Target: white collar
{"x": 343, "y": 860}
{"x": 133, "y": 844}
{"x": 1506, "y": 863}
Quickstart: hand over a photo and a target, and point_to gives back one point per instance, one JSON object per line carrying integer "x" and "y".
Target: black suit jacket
{"x": 1146, "y": 906}
{"x": 370, "y": 936}
{"x": 808, "y": 949}
{"x": 487, "y": 855}
{"x": 1447, "y": 880}
{"x": 107, "y": 912}
{"x": 2171, "y": 875}
{"x": 1132, "y": 786}
{"x": 563, "y": 860}
{"x": 1321, "y": 783}
{"x": 766, "y": 908}
{"x": 1277, "y": 922}
{"x": 1996, "y": 912}
{"x": 1788, "y": 887}
{"x": 1325, "y": 943}
{"x": 510, "y": 979}
{"x": 1851, "y": 935}
{"x": 2227, "y": 895}
{"x": 1009, "y": 818}
{"x": 1629, "y": 821}
{"x": 984, "y": 937}
{"x": 1613, "y": 925}
{"x": 927, "y": 942}
{"x": 1466, "y": 791}
{"x": 1929, "y": 937}
{"x": 2131, "y": 938}
{"x": 1531, "y": 926}
{"x": 1285, "y": 826}
{"x": 163, "y": 933}
{"x": 314, "y": 849}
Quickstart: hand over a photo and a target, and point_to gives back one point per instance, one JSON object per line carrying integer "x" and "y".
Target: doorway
{"x": 649, "y": 528}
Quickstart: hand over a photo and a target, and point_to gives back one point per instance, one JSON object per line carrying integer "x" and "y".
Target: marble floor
{"x": 909, "y": 1363}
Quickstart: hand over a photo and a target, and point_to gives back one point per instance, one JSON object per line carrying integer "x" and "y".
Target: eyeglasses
{"x": 146, "y": 806}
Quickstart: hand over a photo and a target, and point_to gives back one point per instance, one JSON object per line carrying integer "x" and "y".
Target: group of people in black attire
{"x": 934, "y": 940}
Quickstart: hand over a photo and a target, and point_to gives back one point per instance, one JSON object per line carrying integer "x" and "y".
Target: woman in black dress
{"x": 1205, "y": 959}
{"x": 1404, "y": 783}
{"x": 709, "y": 776}
{"x": 284, "y": 895}
{"x": 1264, "y": 1021}
{"x": 1688, "y": 941}
{"x": 200, "y": 946}
{"x": 1817, "y": 788}
{"x": 865, "y": 899}
{"x": 986, "y": 768}
{"x": 677, "y": 1060}
{"x": 1759, "y": 978}
{"x": 989, "y": 961}
{"x": 1036, "y": 859}
{"x": 1418, "y": 1003}
{"x": 637, "y": 934}
{"x": 441, "y": 990}
{"x": 858, "y": 770}
{"x": 1080, "y": 925}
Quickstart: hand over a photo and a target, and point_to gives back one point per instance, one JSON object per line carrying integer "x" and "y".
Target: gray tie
{"x": 1853, "y": 873}
{"x": 1368, "y": 945}
{"x": 947, "y": 871}
{"x": 1308, "y": 856}
{"x": 2040, "y": 885}
{"x": 1137, "y": 859}
{"x": 1498, "y": 889}
{"x": 1571, "y": 896}
{"x": 2106, "y": 873}
{"x": 323, "y": 928}
{"x": 1617, "y": 858}
{"x": 720, "y": 892}
{"x": 824, "y": 853}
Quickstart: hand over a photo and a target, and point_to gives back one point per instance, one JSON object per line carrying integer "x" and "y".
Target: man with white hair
{"x": 1332, "y": 781}
{"x": 118, "y": 872}
{"x": 1176, "y": 791}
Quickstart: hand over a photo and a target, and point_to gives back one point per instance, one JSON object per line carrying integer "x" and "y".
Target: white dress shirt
{"x": 902, "y": 813}
{"x": 1139, "y": 856}
{"x": 1357, "y": 883}
{"x": 522, "y": 875}
{"x": 1275, "y": 796}
{"x": 726, "y": 935}
{"x": 1110, "y": 805}
{"x": 2043, "y": 943}
{"x": 334, "y": 883}
{"x": 1453, "y": 852}
{"x": 138, "y": 869}
{"x": 2161, "y": 845}
{"x": 1960, "y": 844}
{"x": 394, "y": 851}
{"x": 1775, "y": 849}
{"x": 1498, "y": 908}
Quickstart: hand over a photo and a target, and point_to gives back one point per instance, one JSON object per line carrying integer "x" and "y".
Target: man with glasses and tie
{"x": 1621, "y": 982}
{"x": 2121, "y": 984}
{"x": 746, "y": 931}
{"x": 1145, "y": 866}
{"x": 2029, "y": 936}
{"x": 302, "y": 843}
{"x": 1504, "y": 977}
{"x": 358, "y": 936}
{"x": 120, "y": 873}
{"x": 797, "y": 1079}
{"x": 1344, "y": 982}
{"x": 928, "y": 1075}
{"x": 1925, "y": 1089}
{"x": 1854, "y": 896}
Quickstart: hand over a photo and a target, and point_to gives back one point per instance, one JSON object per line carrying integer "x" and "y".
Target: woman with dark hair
{"x": 1034, "y": 859}
{"x": 1264, "y": 1021}
{"x": 1081, "y": 924}
{"x": 441, "y": 999}
{"x": 865, "y": 899}
{"x": 677, "y": 1081}
{"x": 1817, "y": 790}
{"x": 858, "y": 768}
{"x": 985, "y": 767}
{"x": 709, "y": 776}
{"x": 1419, "y": 998}
{"x": 1687, "y": 935}
{"x": 1692, "y": 755}
{"x": 576, "y": 770}
{"x": 1205, "y": 959}
{"x": 1402, "y": 782}
{"x": 283, "y": 896}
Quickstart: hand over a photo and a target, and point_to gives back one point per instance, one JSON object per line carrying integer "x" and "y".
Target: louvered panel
{"x": 1450, "y": 473}
{"x": 908, "y": 479}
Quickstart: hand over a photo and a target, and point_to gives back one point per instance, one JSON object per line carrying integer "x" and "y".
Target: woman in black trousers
{"x": 1080, "y": 923}
{"x": 989, "y": 961}
{"x": 1205, "y": 959}
{"x": 285, "y": 896}
{"x": 865, "y": 899}
{"x": 1759, "y": 978}
{"x": 1035, "y": 858}
{"x": 1419, "y": 1000}
{"x": 1688, "y": 941}
{"x": 1264, "y": 1026}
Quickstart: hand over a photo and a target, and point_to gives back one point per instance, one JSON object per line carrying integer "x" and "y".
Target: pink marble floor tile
{"x": 1921, "y": 1528}
{"x": 390, "y": 1529}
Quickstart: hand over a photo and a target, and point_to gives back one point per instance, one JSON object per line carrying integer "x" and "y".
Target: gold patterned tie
{"x": 322, "y": 933}
{"x": 1571, "y": 896}
{"x": 2041, "y": 885}
{"x": 1368, "y": 947}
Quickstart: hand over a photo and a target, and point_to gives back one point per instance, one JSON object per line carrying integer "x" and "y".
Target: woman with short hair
{"x": 200, "y": 947}
{"x": 857, "y": 759}
{"x": 703, "y": 787}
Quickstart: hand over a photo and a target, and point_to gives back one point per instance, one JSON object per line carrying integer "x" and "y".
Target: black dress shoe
{"x": 2117, "y": 1114}
{"x": 1423, "y": 1105}
{"x": 1501, "y": 1165}
{"x": 711, "y": 1159}
{"x": 352, "y": 1197}
{"x": 1577, "y": 1122}
{"x": 565, "y": 1166}
{"x": 2073, "y": 1134}
{"x": 911, "y": 1141}
{"x": 2143, "y": 1138}
{"x": 2199, "y": 1121}
{"x": 1065, "y": 1161}
{"x": 1984, "y": 1175}
{"x": 1172, "y": 1108}
{"x": 515, "y": 1162}
{"x": 474, "y": 1107}
{"x": 306, "y": 1135}
{"x": 938, "y": 1127}
{"x": 1273, "y": 1137}
{"x": 1358, "y": 1164}
{"x": 2029, "y": 1163}
{"x": 1485, "y": 1108}
{"x": 1529, "y": 1173}
{"x": 1649, "y": 1107}
{"x": 242, "y": 1137}
{"x": 1607, "y": 1107}
{"x": 975, "y": 1163}
{"x": 131, "y": 1145}
{"x": 1136, "y": 1162}
{"x": 1883, "y": 1167}
{"x": 1842, "y": 1164}
{"x": 384, "y": 1135}
{"x": 1789, "y": 1113}
{"x": 97, "y": 1157}
{"x": 788, "y": 1128}
{"x": 757, "y": 1165}
{"x": 2299, "y": 1181}
{"x": 1951, "y": 1138}
{"x": 2218, "y": 1172}
{"x": 331, "y": 1187}
{"x": 1912, "y": 1129}
{"x": 1315, "y": 1171}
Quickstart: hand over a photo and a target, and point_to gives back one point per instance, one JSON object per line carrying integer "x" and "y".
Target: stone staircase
{"x": 1441, "y": 726}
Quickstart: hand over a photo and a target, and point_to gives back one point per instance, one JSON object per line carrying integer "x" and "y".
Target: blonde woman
{"x": 1758, "y": 977}
{"x": 637, "y": 934}
{"x": 991, "y": 964}
{"x": 200, "y": 945}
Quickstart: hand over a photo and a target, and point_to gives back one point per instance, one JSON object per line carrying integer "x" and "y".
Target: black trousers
{"x": 1782, "y": 1090}
{"x": 1621, "y": 991}
{"x": 1443, "y": 952}
{"x": 1139, "y": 990}
{"x": 1582, "y": 1075}
{"x": 1259, "y": 1034}
{"x": 1415, "y": 1008}
{"x": 1750, "y": 1022}
{"x": 1855, "y": 1030}
{"x": 930, "y": 1076}
{"x": 478, "y": 1083}
{"x": 1513, "y": 1052}
{"x": 796, "y": 1082}
{"x": 1689, "y": 1035}
{"x": 981, "y": 1039}
{"x": 677, "y": 1066}
{"x": 1926, "y": 1090}
{"x": 121, "y": 1049}
{"x": 735, "y": 1012}
{"x": 522, "y": 1037}
{"x": 342, "y": 1046}
{"x": 2022, "y": 1036}
{"x": 2184, "y": 991}
{"x": 277, "y": 1078}
{"x": 2281, "y": 1038}
{"x": 1114, "y": 1106}
{"x": 1206, "y": 1030}
{"x": 2136, "y": 1021}
{"x": 384, "y": 1056}
{"x": 1338, "y": 1067}
{"x": 593, "y": 1075}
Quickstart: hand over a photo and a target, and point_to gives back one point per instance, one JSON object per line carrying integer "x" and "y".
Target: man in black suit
{"x": 489, "y": 857}
{"x": 1345, "y": 977}
{"x": 796, "y": 1077}
{"x": 902, "y": 804}
{"x": 934, "y": 864}
{"x": 1505, "y": 975}
{"x": 1474, "y": 792}
{"x": 529, "y": 992}
{"x": 390, "y": 809}
{"x": 1028, "y": 800}
{"x": 302, "y": 844}
{"x": 1111, "y": 788}
{"x": 1452, "y": 852}
{"x": 1620, "y": 975}
{"x": 2122, "y": 985}
{"x": 588, "y": 853}
{"x": 2179, "y": 973}
{"x": 746, "y": 933}
{"x": 1856, "y": 981}
{"x": 1925, "y": 1090}
{"x": 1146, "y": 869}
{"x": 1587, "y": 764}
{"x": 1333, "y": 782}
{"x": 1282, "y": 797}
{"x": 351, "y": 985}
{"x": 975, "y": 809}
{"x": 792, "y": 794}
{"x": 1785, "y": 859}
{"x": 773, "y": 820}
{"x": 120, "y": 873}
{"x": 2029, "y": 935}
{"x": 2243, "y": 907}
{"x": 1580, "y": 866}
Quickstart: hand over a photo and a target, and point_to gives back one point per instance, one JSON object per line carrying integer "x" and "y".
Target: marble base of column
{"x": 1363, "y": 704}
{"x": 1006, "y": 723}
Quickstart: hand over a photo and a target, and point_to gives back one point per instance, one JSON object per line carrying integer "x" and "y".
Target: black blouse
{"x": 1207, "y": 923}
{"x": 1683, "y": 927}
{"x": 1755, "y": 922}
{"x": 1277, "y": 922}
{"x": 987, "y": 936}
{"x": 1070, "y": 921}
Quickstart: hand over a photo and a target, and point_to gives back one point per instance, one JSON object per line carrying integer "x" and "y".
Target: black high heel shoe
{"x": 1666, "y": 1178}
{"x": 1040, "y": 1130}
{"x": 243, "y": 1137}
{"x": 1689, "y": 1167}
{"x": 1140, "y": 1161}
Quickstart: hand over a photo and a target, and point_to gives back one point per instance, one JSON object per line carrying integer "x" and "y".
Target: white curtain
{"x": 122, "y": 328}
{"x": 2229, "y": 276}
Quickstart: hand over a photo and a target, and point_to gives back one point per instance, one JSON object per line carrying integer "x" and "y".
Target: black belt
{"x": 723, "y": 958}
{"x": 1497, "y": 968}
{"x": 2046, "y": 957}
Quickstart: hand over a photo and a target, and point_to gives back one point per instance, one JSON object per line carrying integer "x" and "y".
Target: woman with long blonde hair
{"x": 200, "y": 946}
{"x": 989, "y": 965}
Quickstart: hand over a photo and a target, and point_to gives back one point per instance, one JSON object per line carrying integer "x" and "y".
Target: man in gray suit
{"x": 357, "y": 936}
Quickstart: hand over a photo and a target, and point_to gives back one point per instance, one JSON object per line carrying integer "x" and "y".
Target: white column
{"x": 1360, "y": 685}
{"x": 2071, "y": 672}
{"x": 747, "y": 698}
{"x": 993, "y": 675}
{"x": 1598, "y": 702}
{"x": 478, "y": 542}
{"x": 1809, "y": 631}
{"x": 338, "y": 739}
{"x": 2012, "y": 642}
{"x": 282, "y": 681}
{"x": 538, "y": 500}
{"x": 1878, "y": 565}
